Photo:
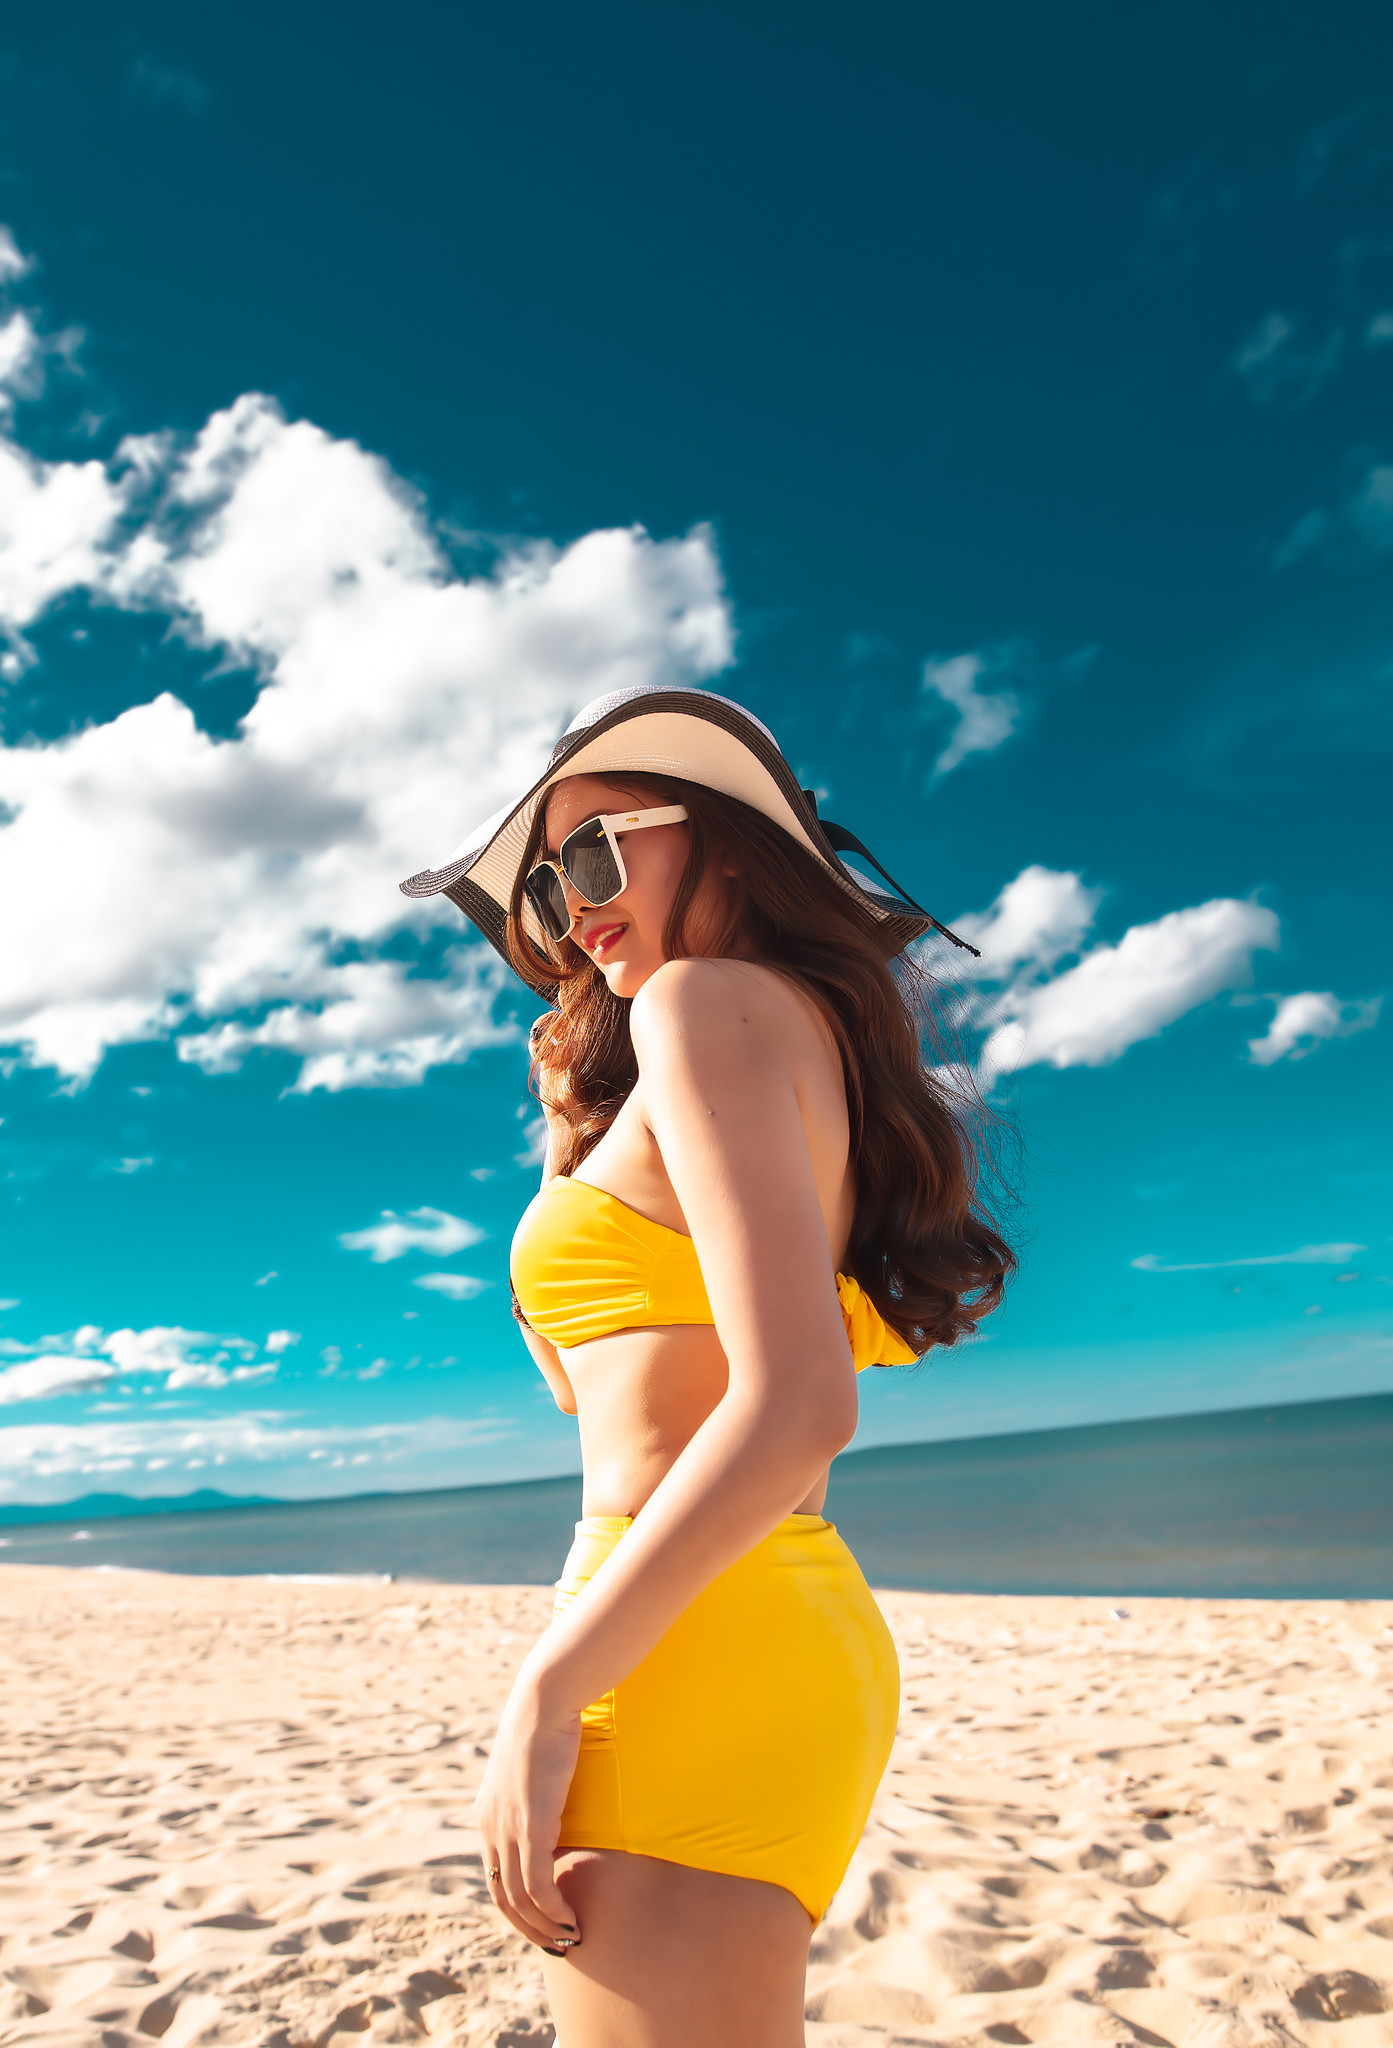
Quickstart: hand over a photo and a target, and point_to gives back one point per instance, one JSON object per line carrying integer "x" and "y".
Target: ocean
{"x": 1285, "y": 1502}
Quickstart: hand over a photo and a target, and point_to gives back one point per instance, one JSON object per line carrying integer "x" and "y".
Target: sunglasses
{"x": 590, "y": 860}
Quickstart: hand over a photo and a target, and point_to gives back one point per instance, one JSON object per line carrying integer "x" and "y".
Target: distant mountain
{"x": 96, "y": 1507}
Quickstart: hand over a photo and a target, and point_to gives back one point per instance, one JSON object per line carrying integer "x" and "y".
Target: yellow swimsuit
{"x": 585, "y": 1265}
{"x": 752, "y": 1737}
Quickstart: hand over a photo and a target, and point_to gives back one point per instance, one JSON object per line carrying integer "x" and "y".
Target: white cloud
{"x": 459, "y": 1286}
{"x": 196, "y": 1373}
{"x": 32, "y": 1455}
{"x": 1037, "y": 1008}
{"x": 241, "y": 891}
{"x": 43, "y": 1379}
{"x": 55, "y": 518}
{"x": 1302, "y": 1022}
{"x": 377, "y": 1026}
{"x": 985, "y": 718}
{"x": 1035, "y": 921}
{"x": 13, "y": 262}
{"x": 161, "y": 1348}
{"x": 132, "y": 1165}
{"x": 1305, "y": 1255}
{"x": 21, "y": 359}
{"x": 88, "y": 1356}
{"x": 433, "y": 1231}
{"x": 281, "y": 1340}
{"x": 1119, "y": 995}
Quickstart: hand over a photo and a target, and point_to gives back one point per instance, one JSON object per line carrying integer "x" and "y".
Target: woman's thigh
{"x": 677, "y": 1958}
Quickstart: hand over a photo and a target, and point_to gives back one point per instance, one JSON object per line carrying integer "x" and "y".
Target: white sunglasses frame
{"x": 611, "y": 823}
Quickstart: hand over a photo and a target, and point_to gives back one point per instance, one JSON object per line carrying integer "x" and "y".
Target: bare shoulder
{"x": 719, "y": 1009}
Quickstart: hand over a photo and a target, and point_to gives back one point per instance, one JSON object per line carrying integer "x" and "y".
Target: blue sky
{"x": 997, "y": 402}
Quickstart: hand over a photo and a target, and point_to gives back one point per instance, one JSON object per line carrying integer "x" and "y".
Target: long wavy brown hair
{"x": 923, "y": 1245}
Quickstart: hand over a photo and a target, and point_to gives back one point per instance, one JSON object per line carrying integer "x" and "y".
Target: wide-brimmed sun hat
{"x": 658, "y": 729}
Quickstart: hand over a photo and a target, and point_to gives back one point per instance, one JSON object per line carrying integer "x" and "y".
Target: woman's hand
{"x": 518, "y": 1812}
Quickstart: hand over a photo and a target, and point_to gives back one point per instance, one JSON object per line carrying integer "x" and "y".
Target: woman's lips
{"x": 599, "y": 937}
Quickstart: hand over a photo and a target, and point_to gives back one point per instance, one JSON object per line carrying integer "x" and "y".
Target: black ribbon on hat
{"x": 842, "y": 841}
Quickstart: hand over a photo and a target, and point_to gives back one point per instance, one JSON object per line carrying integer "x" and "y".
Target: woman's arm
{"x": 720, "y": 1094}
{"x": 548, "y": 1364}
{"x": 719, "y": 1091}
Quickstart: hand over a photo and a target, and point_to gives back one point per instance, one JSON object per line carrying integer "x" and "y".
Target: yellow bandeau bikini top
{"x": 585, "y": 1265}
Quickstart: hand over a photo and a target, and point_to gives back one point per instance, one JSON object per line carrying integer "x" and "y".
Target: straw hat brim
{"x": 692, "y": 734}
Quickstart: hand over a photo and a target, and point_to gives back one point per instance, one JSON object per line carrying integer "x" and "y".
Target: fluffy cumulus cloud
{"x": 1302, "y": 1022}
{"x": 433, "y": 1231}
{"x": 1043, "y": 995}
{"x": 43, "y": 1379}
{"x": 37, "y": 1459}
{"x": 1036, "y": 921}
{"x": 241, "y": 892}
{"x": 88, "y": 1358}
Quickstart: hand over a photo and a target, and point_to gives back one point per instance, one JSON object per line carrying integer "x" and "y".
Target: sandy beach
{"x": 237, "y": 1811}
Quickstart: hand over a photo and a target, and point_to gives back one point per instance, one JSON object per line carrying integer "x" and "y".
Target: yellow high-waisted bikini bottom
{"x": 752, "y": 1737}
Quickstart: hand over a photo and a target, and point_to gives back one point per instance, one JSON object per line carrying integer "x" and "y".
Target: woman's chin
{"x": 625, "y": 978}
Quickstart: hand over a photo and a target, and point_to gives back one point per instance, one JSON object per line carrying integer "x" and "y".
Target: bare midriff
{"x": 641, "y": 1395}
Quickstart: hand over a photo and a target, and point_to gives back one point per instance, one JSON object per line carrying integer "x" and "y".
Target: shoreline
{"x": 236, "y": 1809}
{"x": 1116, "y": 1605}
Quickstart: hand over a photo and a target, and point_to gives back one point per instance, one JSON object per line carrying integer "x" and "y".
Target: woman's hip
{"x": 786, "y": 1647}
{"x": 752, "y": 1737}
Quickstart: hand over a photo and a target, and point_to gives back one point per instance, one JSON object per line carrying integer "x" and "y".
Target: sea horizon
{"x": 1286, "y": 1500}
{"x": 212, "y": 1500}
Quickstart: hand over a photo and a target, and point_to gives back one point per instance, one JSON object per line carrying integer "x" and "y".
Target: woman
{"x": 752, "y": 1189}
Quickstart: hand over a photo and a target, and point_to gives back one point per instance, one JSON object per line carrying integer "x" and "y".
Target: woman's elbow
{"x": 825, "y": 1424}
{"x": 839, "y": 1426}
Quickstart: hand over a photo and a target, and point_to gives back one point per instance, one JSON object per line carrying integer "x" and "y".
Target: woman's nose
{"x": 574, "y": 900}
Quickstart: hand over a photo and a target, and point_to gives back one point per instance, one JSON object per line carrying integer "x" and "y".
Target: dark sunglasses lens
{"x": 588, "y": 860}
{"x": 544, "y": 892}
